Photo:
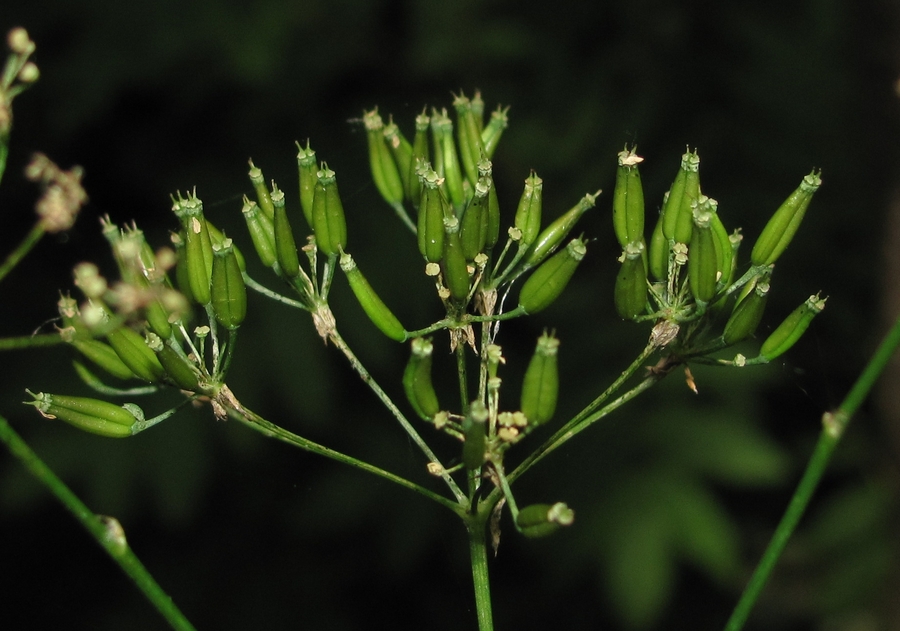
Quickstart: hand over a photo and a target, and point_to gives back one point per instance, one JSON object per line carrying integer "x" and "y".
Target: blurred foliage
{"x": 675, "y": 495}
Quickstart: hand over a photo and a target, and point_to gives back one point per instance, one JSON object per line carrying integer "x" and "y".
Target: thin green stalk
{"x": 30, "y": 341}
{"x": 480, "y": 577}
{"x": 834, "y": 424}
{"x": 22, "y": 249}
{"x": 404, "y": 217}
{"x": 258, "y": 423}
{"x": 99, "y": 528}
{"x": 339, "y": 342}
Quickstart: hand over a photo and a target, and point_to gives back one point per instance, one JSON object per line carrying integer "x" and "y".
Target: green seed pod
{"x": 528, "y": 213}
{"x": 329, "y": 223}
{"x": 218, "y": 237}
{"x": 285, "y": 246}
{"x": 471, "y": 147}
{"x": 384, "y": 169}
{"x": 91, "y": 415}
{"x": 540, "y": 520}
{"x": 724, "y": 251}
{"x": 307, "y": 170}
{"x": 477, "y": 105}
{"x": 377, "y": 311}
{"x": 263, "y": 197}
{"x": 553, "y": 235}
{"x": 197, "y": 247}
{"x": 703, "y": 257}
{"x": 417, "y": 380}
{"x": 658, "y": 256}
{"x": 631, "y": 282}
{"x": 783, "y": 225}
{"x": 548, "y": 281}
{"x": 182, "y": 274}
{"x": 442, "y": 127}
{"x": 792, "y": 329}
{"x": 747, "y": 314}
{"x": 419, "y": 157}
{"x": 628, "y": 199}
{"x": 229, "y": 295}
{"x": 262, "y": 232}
{"x": 490, "y": 137}
{"x": 677, "y": 217}
{"x": 180, "y": 371}
{"x": 437, "y": 149}
{"x": 137, "y": 267}
{"x": 474, "y": 228}
{"x": 540, "y": 389}
{"x": 473, "y": 426}
{"x": 403, "y": 155}
{"x": 134, "y": 353}
{"x": 485, "y": 170}
{"x": 453, "y": 263}
{"x": 104, "y": 356}
{"x": 432, "y": 210}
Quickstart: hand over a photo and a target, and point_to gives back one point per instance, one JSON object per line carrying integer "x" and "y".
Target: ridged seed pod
{"x": 474, "y": 228}
{"x": 703, "y": 257}
{"x": 540, "y": 388}
{"x": 229, "y": 295}
{"x": 384, "y": 170}
{"x": 263, "y": 197}
{"x": 402, "y": 151}
{"x": 550, "y": 238}
{"x": 471, "y": 148}
{"x": 724, "y": 251}
{"x": 417, "y": 380}
{"x": 473, "y": 426}
{"x": 747, "y": 314}
{"x": 658, "y": 253}
{"x": 432, "y": 210}
{"x": 442, "y": 128}
{"x": 677, "y": 213}
{"x": 132, "y": 349}
{"x": 631, "y": 282}
{"x": 783, "y": 225}
{"x": 485, "y": 170}
{"x": 453, "y": 263}
{"x": 628, "y": 199}
{"x": 419, "y": 157}
{"x": 528, "y": 212}
{"x": 218, "y": 237}
{"x": 490, "y": 136}
{"x": 792, "y": 329}
{"x": 262, "y": 232}
{"x": 179, "y": 371}
{"x": 197, "y": 246}
{"x": 285, "y": 246}
{"x": 91, "y": 415}
{"x": 378, "y": 312}
{"x": 307, "y": 170}
{"x": 548, "y": 281}
{"x": 329, "y": 223}
{"x": 540, "y": 520}
{"x": 104, "y": 356}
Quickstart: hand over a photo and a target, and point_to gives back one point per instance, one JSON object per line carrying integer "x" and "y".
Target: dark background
{"x": 675, "y": 495}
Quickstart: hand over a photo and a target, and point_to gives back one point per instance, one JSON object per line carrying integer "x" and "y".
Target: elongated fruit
{"x": 792, "y": 329}
{"x": 378, "y": 312}
{"x": 91, "y": 415}
{"x": 783, "y": 225}
{"x": 540, "y": 389}
{"x": 548, "y": 281}
{"x": 474, "y": 434}
{"x": 229, "y": 295}
{"x": 628, "y": 199}
{"x": 631, "y": 282}
{"x": 540, "y": 520}
{"x": 417, "y": 380}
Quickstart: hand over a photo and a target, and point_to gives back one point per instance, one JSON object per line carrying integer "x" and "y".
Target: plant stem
{"x": 30, "y": 341}
{"x": 268, "y": 428}
{"x": 834, "y": 424}
{"x": 480, "y": 576}
{"x": 97, "y": 527}
{"x": 22, "y": 249}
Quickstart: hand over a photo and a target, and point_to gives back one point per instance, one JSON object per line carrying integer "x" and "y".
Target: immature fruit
{"x": 485, "y": 169}
{"x": 402, "y": 151}
{"x": 384, "y": 169}
{"x": 442, "y": 128}
{"x": 262, "y": 232}
{"x": 306, "y": 170}
{"x": 179, "y": 371}
{"x": 631, "y": 282}
{"x": 419, "y": 157}
{"x": 677, "y": 213}
{"x": 490, "y": 135}
{"x": 658, "y": 256}
{"x": 329, "y": 223}
{"x": 229, "y": 295}
{"x": 471, "y": 147}
{"x": 453, "y": 263}
{"x": 263, "y": 197}
{"x": 104, "y": 356}
{"x": 432, "y": 210}
{"x": 473, "y": 426}
{"x": 285, "y": 246}
{"x": 474, "y": 228}
{"x": 747, "y": 314}
{"x": 540, "y": 520}
{"x": 132, "y": 349}
{"x": 628, "y": 199}
{"x": 197, "y": 246}
{"x": 528, "y": 213}
{"x": 548, "y": 281}
{"x": 540, "y": 389}
{"x": 783, "y": 225}
{"x": 703, "y": 255}
{"x": 91, "y": 415}
{"x": 378, "y": 312}
{"x": 792, "y": 329}
{"x": 417, "y": 380}
{"x": 548, "y": 240}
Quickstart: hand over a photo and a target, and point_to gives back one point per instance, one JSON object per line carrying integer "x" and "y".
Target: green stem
{"x": 22, "y": 249}
{"x": 480, "y": 576}
{"x": 258, "y": 423}
{"x": 404, "y": 217}
{"x": 30, "y": 341}
{"x": 97, "y": 527}
{"x": 338, "y": 341}
{"x": 834, "y": 425}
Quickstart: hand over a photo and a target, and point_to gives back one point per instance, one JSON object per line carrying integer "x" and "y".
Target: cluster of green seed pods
{"x": 90, "y": 415}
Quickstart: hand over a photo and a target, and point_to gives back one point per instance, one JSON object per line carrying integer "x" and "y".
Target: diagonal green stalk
{"x": 258, "y": 423}
{"x": 30, "y": 341}
{"x": 98, "y": 528}
{"x": 22, "y": 249}
{"x": 833, "y": 426}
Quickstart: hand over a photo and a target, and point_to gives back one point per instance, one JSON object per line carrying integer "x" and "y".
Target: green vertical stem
{"x": 834, "y": 425}
{"x": 480, "y": 577}
{"x": 121, "y": 554}
{"x": 22, "y": 249}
